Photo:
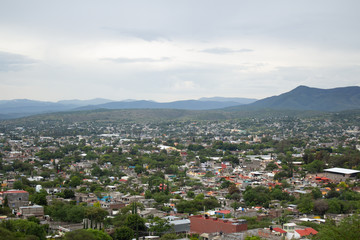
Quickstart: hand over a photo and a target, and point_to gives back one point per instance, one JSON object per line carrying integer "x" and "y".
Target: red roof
{"x": 16, "y": 191}
{"x": 223, "y": 211}
{"x": 279, "y": 230}
{"x": 306, "y": 231}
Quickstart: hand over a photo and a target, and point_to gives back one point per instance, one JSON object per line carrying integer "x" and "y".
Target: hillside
{"x": 184, "y": 105}
{"x": 306, "y": 98}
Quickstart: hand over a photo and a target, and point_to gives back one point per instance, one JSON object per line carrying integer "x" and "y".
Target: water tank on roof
{"x": 38, "y": 188}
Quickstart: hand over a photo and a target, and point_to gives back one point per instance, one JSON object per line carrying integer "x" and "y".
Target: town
{"x": 249, "y": 178}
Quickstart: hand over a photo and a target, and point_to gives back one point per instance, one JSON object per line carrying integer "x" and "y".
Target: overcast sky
{"x": 169, "y": 50}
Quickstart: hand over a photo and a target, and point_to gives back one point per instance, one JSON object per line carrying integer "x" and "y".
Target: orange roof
{"x": 306, "y": 231}
{"x": 279, "y": 230}
{"x": 223, "y": 211}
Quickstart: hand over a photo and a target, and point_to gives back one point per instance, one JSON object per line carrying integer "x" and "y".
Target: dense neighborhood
{"x": 253, "y": 178}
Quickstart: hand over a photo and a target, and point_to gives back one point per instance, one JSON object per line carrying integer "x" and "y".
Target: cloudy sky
{"x": 171, "y": 50}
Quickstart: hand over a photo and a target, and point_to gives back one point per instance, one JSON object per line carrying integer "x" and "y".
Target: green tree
{"x": 306, "y": 205}
{"x": 25, "y": 228}
{"x": 347, "y": 229}
{"x": 79, "y": 234}
{"x": 159, "y": 226}
{"x": 259, "y": 196}
{"x": 98, "y": 234}
{"x": 123, "y": 233}
{"x": 39, "y": 198}
{"x": 75, "y": 181}
{"x": 253, "y": 238}
{"x": 96, "y": 215}
{"x": 316, "y": 193}
{"x": 134, "y": 221}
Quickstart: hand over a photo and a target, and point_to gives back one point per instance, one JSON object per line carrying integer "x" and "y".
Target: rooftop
{"x": 341, "y": 170}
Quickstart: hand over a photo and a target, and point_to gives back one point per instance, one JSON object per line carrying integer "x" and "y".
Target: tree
{"x": 347, "y": 229}
{"x": 316, "y": 193}
{"x": 257, "y": 196}
{"x": 135, "y": 222}
{"x": 68, "y": 193}
{"x": 190, "y": 194}
{"x": 306, "y": 204}
{"x": 96, "y": 215}
{"x": 18, "y": 185}
{"x": 159, "y": 226}
{"x": 271, "y": 166}
{"x": 233, "y": 189}
{"x": 321, "y": 206}
{"x": 315, "y": 166}
{"x": 39, "y": 198}
{"x": 79, "y": 234}
{"x": 123, "y": 233}
{"x": 235, "y": 206}
{"x": 24, "y": 227}
{"x": 98, "y": 234}
{"x": 75, "y": 181}
{"x": 253, "y": 238}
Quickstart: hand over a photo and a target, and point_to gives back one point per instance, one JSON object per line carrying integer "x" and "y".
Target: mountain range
{"x": 302, "y": 98}
{"x": 24, "y": 107}
{"x": 305, "y": 98}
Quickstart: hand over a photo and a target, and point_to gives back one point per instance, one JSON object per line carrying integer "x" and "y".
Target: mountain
{"x": 77, "y": 102}
{"x": 10, "y": 109}
{"x": 29, "y": 106}
{"x": 307, "y": 98}
{"x": 301, "y": 98}
{"x": 225, "y": 99}
{"x": 25, "y": 107}
{"x": 143, "y": 104}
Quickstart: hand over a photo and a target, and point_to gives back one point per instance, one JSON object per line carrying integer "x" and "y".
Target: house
{"x": 304, "y": 233}
{"x": 179, "y": 225}
{"x": 222, "y": 213}
{"x": 203, "y": 224}
{"x": 279, "y": 231}
{"x": 35, "y": 210}
{"x": 289, "y": 227}
{"x": 15, "y": 198}
{"x": 151, "y": 212}
{"x": 340, "y": 174}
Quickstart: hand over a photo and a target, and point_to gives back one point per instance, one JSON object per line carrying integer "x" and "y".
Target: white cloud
{"x": 225, "y": 50}
{"x": 183, "y": 85}
{"x": 140, "y": 49}
{"x": 14, "y": 62}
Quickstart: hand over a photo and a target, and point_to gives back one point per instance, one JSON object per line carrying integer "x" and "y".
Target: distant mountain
{"x": 301, "y": 98}
{"x": 25, "y": 107}
{"x": 225, "y": 99}
{"x": 307, "y": 98}
{"x": 77, "y": 102}
{"x": 143, "y": 104}
{"x": 30, "y": 106}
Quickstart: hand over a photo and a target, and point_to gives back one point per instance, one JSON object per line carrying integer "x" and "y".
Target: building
{"x": 179, "y": 225}
{"x": 28, "y": 211}
{"x": 204, "y": 224}
{"x": 304, "y": 233}
{"x": 340, "y": 174}
{"x": 15, "y": 198}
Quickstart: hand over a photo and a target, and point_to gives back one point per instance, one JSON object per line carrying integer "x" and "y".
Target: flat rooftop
{"x": 341, "y": 170}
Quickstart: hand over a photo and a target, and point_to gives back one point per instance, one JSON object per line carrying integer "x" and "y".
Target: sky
{"x": 166, "y": 50}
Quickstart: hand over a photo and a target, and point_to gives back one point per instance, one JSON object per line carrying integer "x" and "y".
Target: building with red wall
{"x": 204, "y": 224}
